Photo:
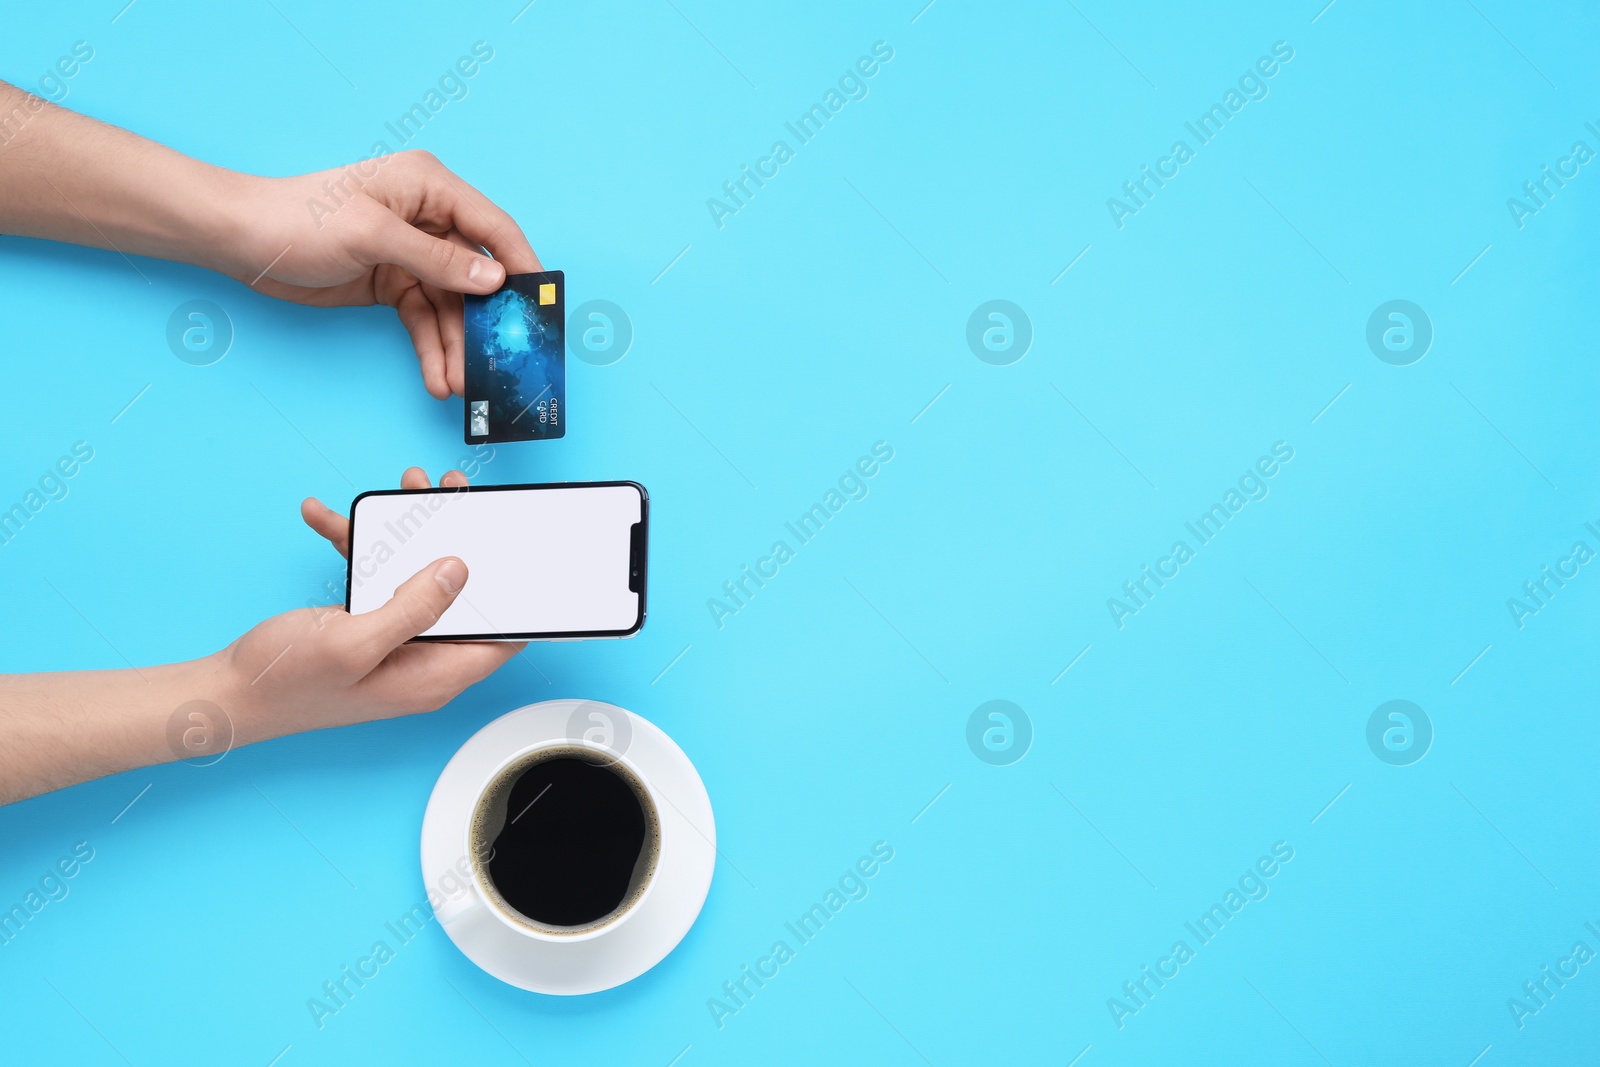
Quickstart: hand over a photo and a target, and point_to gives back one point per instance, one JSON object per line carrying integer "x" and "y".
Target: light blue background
{"x": 822, "y": 318}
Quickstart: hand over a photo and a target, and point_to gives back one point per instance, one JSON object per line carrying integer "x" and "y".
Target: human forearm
{"x": 67, "y": 177}
{"x": 62, "y": 728}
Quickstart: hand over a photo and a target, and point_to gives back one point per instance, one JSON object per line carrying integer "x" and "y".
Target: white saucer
{"x": 644, "y": 936}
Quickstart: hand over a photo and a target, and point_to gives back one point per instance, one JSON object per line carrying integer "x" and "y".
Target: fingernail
{"x": 482, "y": 272}
{"x": 451, "y": 576}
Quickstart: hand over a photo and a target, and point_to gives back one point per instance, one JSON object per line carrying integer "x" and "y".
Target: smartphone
{"x": 557, "y": 561}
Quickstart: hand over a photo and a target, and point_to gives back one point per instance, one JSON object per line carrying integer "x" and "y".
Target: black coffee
{"x": 566, "y": 838}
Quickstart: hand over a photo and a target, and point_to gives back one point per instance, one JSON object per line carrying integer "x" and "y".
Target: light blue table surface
{"x": 1225, "y": 317}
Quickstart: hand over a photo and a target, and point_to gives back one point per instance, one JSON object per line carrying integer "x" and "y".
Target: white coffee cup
{"x": 471, "y": 874}
{"x": 624, "y": 945}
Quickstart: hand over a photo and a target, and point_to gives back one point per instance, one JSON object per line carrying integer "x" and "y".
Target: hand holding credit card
{"x": 516, "y": 360}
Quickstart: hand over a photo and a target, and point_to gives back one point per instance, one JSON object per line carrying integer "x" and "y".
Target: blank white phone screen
{"x": 539, "y": 561}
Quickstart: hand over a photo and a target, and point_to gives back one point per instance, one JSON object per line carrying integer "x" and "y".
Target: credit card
{"x": 516, "y": 349}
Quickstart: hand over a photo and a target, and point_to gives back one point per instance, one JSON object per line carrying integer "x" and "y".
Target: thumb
{"x": 414, "y": 608}
{"x": 433, "y": 260}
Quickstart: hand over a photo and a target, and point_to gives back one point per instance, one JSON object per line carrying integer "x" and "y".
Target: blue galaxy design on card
{"x": 517, "y": 360}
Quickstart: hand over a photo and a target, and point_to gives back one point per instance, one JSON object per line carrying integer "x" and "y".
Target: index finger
{"x": 478, "y": 219}
{"x": 327, "y": 522}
